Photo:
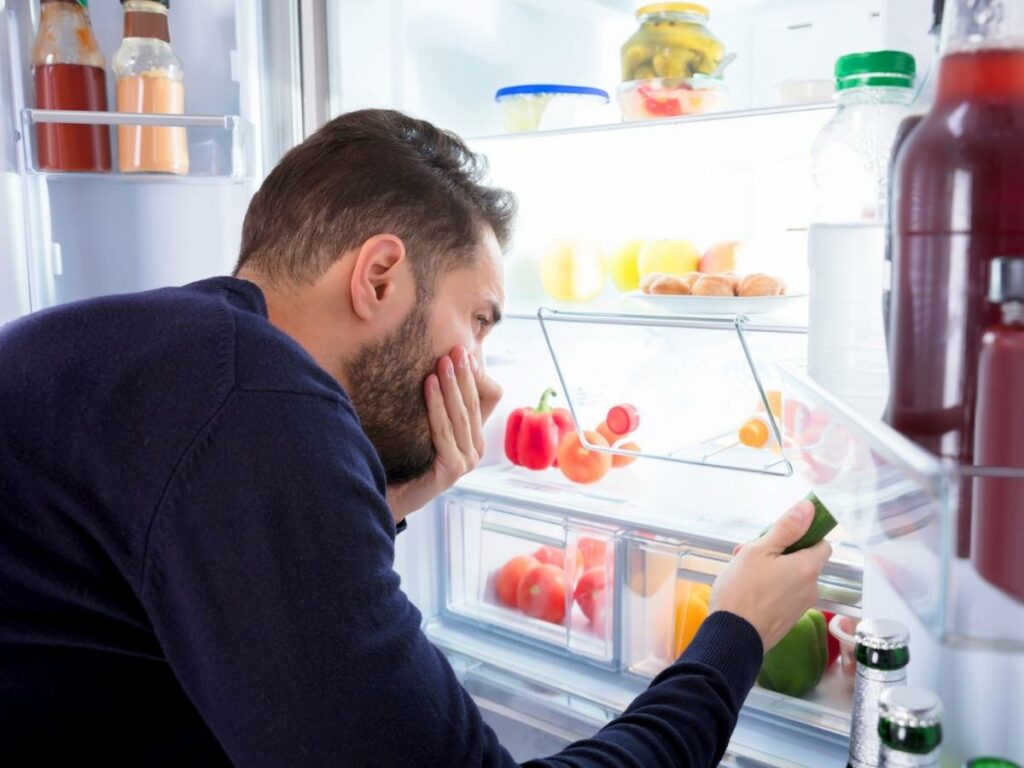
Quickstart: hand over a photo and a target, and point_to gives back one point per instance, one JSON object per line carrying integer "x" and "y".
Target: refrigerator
{"x": 262, "y": 74}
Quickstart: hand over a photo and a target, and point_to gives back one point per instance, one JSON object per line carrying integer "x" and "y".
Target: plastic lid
{"x": 164, "y": 3}
{"x": 700, "y": 10}
{"x": 893, "y": 69}
{"x": 1006, "y": 280}
{"x": 535, "y": 89}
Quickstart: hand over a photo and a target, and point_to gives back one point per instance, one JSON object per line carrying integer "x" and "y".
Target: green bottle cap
{"x": 910, "y": 720}
{"x": 875, "y": 69}
{"x": 990, "y": 762}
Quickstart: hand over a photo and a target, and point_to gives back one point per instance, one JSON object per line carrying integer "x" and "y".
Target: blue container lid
{"x": 534, "y": 89}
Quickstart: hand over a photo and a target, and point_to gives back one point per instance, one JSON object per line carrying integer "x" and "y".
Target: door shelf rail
{"x": 221, "y": 147}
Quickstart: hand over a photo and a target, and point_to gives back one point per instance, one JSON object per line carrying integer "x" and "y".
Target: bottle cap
{"x": 164, "y": 3}
{"x": 876, "y": 69}
{"x": 1006, "y": 280}
{"x": 910, "y": 707}
{"x": 882, "y": 634}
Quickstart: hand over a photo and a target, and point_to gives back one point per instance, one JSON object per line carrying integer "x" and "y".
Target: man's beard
{"x": 385, "y": 382}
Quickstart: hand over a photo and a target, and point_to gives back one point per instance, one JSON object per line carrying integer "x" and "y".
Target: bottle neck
{"x": 874, "y": 95}
{"x": 982, "y": 52}
{"x": 148, "y": 22}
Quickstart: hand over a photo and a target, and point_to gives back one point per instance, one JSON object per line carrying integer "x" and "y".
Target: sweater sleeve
{"x": 269, "y": 581}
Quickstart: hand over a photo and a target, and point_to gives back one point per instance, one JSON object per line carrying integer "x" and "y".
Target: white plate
{"x": 714, "y": 305}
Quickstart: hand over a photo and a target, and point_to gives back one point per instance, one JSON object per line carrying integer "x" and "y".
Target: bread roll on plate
{"x": 760, "y": 285}
{"x": 712, "y": 285}
{"x": 669, "y": 285}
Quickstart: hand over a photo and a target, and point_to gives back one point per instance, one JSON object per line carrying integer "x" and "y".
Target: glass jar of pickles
{"x": 673, "y": 41}
{"x": 669, "y": 65}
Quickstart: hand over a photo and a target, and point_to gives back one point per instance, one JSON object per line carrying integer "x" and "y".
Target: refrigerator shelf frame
{"x": 242, "y": 134}
{"x": 707, "y": 449}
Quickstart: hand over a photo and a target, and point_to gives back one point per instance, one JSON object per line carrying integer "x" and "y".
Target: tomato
{"x": 590, "y": 594}
{"x": 556, "y": 556}
{"x": 594, "y": 551}
{"x": 624, "y": 461}
{"x": 542, "y": 593}
{"x": 605, "y": 431}
{"x": 580, "y": 465}
{"x": 510, "y": 575}
{"x": 623, "y": 419}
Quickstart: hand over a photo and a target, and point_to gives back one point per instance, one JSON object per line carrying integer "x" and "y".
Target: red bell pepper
{"x": 532, "y": 435}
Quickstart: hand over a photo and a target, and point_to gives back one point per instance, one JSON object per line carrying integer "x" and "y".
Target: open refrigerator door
{"x": 74, "y": 235}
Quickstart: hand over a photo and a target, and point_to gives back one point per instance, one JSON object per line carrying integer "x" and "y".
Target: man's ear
{"x": 375, "y": 274}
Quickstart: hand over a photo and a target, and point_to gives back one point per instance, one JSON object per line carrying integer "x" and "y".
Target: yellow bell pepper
{"x": 692, "y": 607}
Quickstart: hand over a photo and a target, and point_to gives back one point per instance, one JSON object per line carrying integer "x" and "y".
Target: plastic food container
{"x": 672, "y": 41}
{"x": 843, "y": 629}
{"x": 540, "y": 107}
{"x": 668, "y": 97}
{"x": 795, "y": 92}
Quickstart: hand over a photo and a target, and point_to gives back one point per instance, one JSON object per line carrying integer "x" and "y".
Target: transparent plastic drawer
{"x": 665, "y": 600}
{"x": 544, "y": 578}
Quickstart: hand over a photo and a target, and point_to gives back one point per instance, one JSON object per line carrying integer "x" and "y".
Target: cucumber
{"x": 822, "y": 524}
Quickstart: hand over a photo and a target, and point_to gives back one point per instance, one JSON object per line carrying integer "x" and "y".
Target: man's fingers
{"x": 470, "y": 397}
{"x": 440, "y": 425}
{"x": 455, "y": 406}
{"x": 789, "y": 528}
{"x": 488, "y": 390}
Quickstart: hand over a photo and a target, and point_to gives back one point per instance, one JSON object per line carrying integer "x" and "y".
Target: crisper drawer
{"x": 544, "y": 578}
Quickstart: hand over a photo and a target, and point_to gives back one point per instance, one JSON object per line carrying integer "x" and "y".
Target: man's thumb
{"x": 790, "y": 527}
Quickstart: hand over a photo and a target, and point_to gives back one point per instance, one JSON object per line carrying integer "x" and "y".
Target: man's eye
{"x": 484, "y": 320}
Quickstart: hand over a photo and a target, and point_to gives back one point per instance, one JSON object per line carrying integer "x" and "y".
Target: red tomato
{"x": 542, "y": 593}
{"x": 580, "y": 465}
{"x": 556, "y": 556}
{"x": 594, "y": 551}
{"x": 624, "y": 461}
{"x": 510, "y": 575}
{"x": 590, "y": 593}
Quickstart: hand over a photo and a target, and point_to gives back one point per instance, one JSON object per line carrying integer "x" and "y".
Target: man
{"x": 199, "y": 488}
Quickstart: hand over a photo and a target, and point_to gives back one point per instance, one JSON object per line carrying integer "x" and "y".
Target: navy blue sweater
{"x": 196, "y": 564}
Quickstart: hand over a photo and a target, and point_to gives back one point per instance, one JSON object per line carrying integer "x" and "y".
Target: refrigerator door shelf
{"x": 221, "y": 147}
{"x": 900, "y": 505}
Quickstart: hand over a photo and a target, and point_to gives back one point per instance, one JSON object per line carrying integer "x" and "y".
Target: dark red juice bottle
{"x": 958, "y": 203}
{"x": 998, "y": 502}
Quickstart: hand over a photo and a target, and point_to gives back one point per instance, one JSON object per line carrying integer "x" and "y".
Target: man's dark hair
{"x": 366, "y": 173}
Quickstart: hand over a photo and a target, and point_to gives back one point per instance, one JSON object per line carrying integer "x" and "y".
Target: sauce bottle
{"x": 958, "y": 196}
{"x": 149, "y": 81}
{"x": 998, "y": 529}
{"x": 68, "y": 72}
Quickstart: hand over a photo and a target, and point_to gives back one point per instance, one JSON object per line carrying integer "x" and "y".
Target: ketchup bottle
{"x": 958, "y": 194}
{"x": 68, "y": 70}
{"x": 998, "y": 509}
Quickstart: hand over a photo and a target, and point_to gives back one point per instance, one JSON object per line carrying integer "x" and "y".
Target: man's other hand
{"x": 460, "y": 397}
{"x": 767, "y": 588}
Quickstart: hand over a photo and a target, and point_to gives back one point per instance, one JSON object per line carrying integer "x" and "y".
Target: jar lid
{"x": 892, "y": 69}
{"x": 1006, "y": 280}
{"x": 700, "y": 10}
{"x": 537, "y": 89}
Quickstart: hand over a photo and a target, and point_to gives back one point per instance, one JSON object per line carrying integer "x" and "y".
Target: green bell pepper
{"x": 796, "y": 664}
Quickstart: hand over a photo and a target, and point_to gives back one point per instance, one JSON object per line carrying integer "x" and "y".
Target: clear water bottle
{"x": 846, "y": 241}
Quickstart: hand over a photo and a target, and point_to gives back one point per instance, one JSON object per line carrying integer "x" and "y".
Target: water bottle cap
{"x": 877, "y": 69}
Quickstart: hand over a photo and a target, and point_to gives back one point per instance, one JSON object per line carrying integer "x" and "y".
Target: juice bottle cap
{"x": 1006, "y": 280}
